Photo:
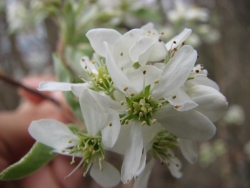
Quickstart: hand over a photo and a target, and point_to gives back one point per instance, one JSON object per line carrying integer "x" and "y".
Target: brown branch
{"x": 18, "y": 84}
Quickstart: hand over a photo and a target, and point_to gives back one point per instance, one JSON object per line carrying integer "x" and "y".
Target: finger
{"x": 61, "y": 167}
{"x": 44, "y": 177}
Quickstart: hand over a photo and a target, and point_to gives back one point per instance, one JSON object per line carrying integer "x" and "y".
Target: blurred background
{"x": 32, "y": 30}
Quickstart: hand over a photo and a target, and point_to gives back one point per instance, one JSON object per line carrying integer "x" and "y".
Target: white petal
{"x": 178, "y": 39}
{"x": 160, "y": 66}
{"x": 54, "y": 86}
{"x": 107, "y": 103}
{"x": 159, "y": 52}
{"x": 174, "y": 165}
{"x": 142, "y": 180}
{"x": 94, "y": 114}
{"x": 118, "y": 77}
{"x": 187, "y": 124}
{"x": 88, "y": 65}
{"x": 176, "y": 72}
{"x": 140, "y": 80}
{"x": 149, "y": 133}
{"x": 121, "y": 142}
{"x": 122, "y": 46}
{"x": 110, "y": 132}
{"x": 109, "y": 177}
{"x": 189, "y": 150}
{"x": 141, "y": 49}
{"x": 182, "y": 101}
{"x": 78, "y": 88}
{"x": 98, "y": 36}
{"x": 201, "y": 80}
{"x": 151, "y": 31}
{"x": 211, "y": 102}
{"x": 133, "y": 154}
{"x": 52, "y": 133}
{"x": 142, "y": 163}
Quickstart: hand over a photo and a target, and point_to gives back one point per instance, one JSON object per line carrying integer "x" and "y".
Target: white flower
{"x": 88, "y": 146}
{"x": 152, "y": 93}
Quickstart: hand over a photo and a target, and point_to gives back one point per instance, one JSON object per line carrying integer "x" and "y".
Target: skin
{"x": 15, "y": 140}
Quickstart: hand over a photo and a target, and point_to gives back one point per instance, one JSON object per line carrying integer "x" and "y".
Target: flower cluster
{"x": 140, "y": 98}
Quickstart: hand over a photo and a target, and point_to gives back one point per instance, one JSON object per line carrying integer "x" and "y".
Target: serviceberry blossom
{"x": 87, "y": 145}
{"x": 147, "y": 96}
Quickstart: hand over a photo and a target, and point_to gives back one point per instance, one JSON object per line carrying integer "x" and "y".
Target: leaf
{"x": 38, "y": 156}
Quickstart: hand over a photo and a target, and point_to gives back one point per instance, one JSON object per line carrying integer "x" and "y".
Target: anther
{"x": 197, "y": 71}
{"x": 174, "y": 42}
{"x": 126, "y": 121}
{"x": 208, "y": 75}
{"x": 143, "y": 123}
{"x": 125, "y": 88}
{"x": 70, "y": 141}
{"x": 93, "y": 62}
{"x": 110, "y": 124}
{"x": 162, "y": 33}
{"x": 177, "y": 106}
{"x": 160, "y": 40}
{"x": 154, "y": 121}
{"x": 159, "y": 105}
{"x": 183, "y": 43}
{"x": 141, "y": 114}
{"x": 121, "y": 54}
{"x": 144, "y": 72}
{"x": 132, "y": 94}
{"x": 83, "y": 59}
{"x": 63, "y": 151}
{"x": 128, "y": 110}
{"x": 174, "y": 97}
{"x": 156, "y": 81}
{"x": 122, "y": 102}
{"x": 175, "y": 49}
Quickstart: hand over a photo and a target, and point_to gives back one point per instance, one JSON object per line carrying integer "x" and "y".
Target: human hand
{"x": 15, "y": 140}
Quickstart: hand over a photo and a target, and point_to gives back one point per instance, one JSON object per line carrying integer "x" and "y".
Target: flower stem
{"x": 19, "y": 84}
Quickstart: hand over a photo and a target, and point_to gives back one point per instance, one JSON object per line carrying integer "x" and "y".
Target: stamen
{"x": 74, "y": 169}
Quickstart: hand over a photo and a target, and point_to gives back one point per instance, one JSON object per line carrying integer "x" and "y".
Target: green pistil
{"x": 162, "y": 142}
{"x": 90, "y": 147}
{"x": 102, "y": 81}
{"x": 141, "y": 107}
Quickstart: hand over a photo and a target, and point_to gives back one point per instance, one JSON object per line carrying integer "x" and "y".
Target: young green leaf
{"x": 38, "y": 156}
